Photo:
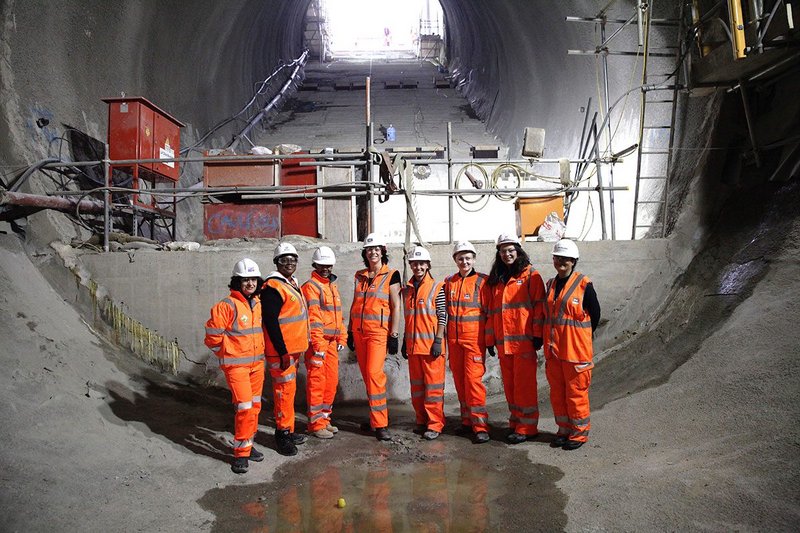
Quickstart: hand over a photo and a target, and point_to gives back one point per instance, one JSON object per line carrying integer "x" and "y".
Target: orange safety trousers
{"x": 325, "y": 486}
{"x": 284, "y": 386}
{"x": 467, "y": 366}
{"x": 569, "y": 396}
{"x": 322, "y": 378}
{"x": 426, "y": 374}
{"x": 246, "y": 382}
{"x": 519, "y": 383}
{"x": 371, "y": 355}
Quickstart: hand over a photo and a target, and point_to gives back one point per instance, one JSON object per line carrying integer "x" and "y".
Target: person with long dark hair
{"x": 514, "y": 326}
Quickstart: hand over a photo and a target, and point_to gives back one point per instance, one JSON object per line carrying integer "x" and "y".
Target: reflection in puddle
{"x": 441, "y": 486}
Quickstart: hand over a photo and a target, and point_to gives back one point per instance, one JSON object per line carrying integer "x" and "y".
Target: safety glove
{"x": 490, "y": 351}
{"x": 537, "y": 343}
{"x": 351, "y": 342}
{"x": 392, "y": 345}
{"x": 436, "y": 349}
{"x": 286, "y": 361}
{"x": 403, "y": 351}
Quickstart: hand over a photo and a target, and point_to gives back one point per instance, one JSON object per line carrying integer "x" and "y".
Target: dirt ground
{"x": 694, "y": 425}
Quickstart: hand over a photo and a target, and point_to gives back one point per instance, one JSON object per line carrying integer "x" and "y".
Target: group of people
{"x": 510, "y": 313}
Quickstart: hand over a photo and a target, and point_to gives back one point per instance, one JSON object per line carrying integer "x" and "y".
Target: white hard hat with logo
{"x": 373, "y": 239}
{"x": 463, "y": 246}
{"x": 418, "y": 254}
{"x": 506, "y": 238}
{"x": 323, "y": 256}
{"x": 246, "y": 268}
{"x": 284, "y": 248}
{"x": 566, "y": 248}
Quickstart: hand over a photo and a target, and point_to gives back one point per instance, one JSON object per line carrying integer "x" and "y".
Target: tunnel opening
{"x": 385, "y": 30}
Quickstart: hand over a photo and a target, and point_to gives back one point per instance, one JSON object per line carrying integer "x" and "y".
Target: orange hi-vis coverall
{"x": 370, "y": 320}
{"x": 234, "y": 334}
{"x": 293, "y": 321}
{"x": 426, "y": 372}
{"x": 467, "y": 303}
{"x": 326, "y": 327}
{"x": 515, "y": 318}
{"x": 568, "y": 356}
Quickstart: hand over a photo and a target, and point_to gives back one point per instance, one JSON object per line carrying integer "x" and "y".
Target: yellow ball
{"x": 341, "y": 503}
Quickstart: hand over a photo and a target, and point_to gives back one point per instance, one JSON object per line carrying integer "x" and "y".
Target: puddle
{"x": 404, "y": 485}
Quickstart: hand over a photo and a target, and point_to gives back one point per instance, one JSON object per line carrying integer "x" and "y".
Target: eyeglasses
{"x": 283, "y": 261}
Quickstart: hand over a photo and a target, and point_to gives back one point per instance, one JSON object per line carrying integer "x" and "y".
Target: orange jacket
{"x": 468, "y": 300}
{"x": 516, "y": 312}
{"x": 293, "y": 318}
{"x": 371, "y": 309}
{"x": 233, "y": 332}
{"x": 567, "y": 327}
{"x": 419, "y": 305}
{"x": 324, "y": 311}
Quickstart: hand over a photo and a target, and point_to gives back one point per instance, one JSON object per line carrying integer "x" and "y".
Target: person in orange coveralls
{"x": 467, "y": 297}
{"x": 572, "y": 313}
{"x": 373, "y": 330}
{"x": 328, "y": 337}
{"x": 234, "y": 334}
{"x": 515, "y": 327}
{"x": 285, "y": 320}
{"x": 426, "y": 318}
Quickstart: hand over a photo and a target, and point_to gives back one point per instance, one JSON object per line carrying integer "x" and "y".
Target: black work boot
{"x": 383, "y": 434}
{"x": 239, "y": 465}
{"x": 283, "y": 442}
{"x": 298, "y": 438}
{"x": 256, "y": 455}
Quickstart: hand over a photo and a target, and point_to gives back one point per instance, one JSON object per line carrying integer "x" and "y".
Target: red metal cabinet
{"x": 299, "y": 216}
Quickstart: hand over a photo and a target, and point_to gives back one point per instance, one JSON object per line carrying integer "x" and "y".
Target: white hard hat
{"x": 505, "y": 238}
{"x": 246, "y": 268}
{"x": 323, "y": 256}
{"x": 284, "y": 248}
{"x": 566, "y": 248}
{"x": 373, "y": 239}
{"x": 463, "y": 246}
{"x": 418, "y": 254}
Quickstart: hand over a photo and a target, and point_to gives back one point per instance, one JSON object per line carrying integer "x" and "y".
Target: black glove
{"x": 286, "y": 361}
{"x": 490, "y": 350}
{"x": 436, "y": 349}
{"x": 351, "y": 343}
{"x": 392, "y": 345}
{"x": 403, "y": 351}
{"x": 537, "y": 343}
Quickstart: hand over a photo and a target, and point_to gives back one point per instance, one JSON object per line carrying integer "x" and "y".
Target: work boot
{"x": 283, "y": 443}
{"x": 383, "y": 434}
{"x": 239, "y": 465}
{"x": 430, "y": 434}
{"x": 323, "y": 433}
{"x": 256, "y": 455}
{"x": 419, "y": 429}
{"x": 516, "y": 438}
{"x": 480, "y": 437}
{"x": 298, "y": 438}
{"x": 333, "y": 429}
{"x": 572, "y": 445}
{"x": 559, "y": 441}
{"x": 464, "y": 430}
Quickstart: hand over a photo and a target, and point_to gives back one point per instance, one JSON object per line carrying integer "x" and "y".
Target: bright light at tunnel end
{"x": 380, "y": 28}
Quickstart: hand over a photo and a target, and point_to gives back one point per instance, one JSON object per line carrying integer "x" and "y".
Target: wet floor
{"x": 407, "y": 484}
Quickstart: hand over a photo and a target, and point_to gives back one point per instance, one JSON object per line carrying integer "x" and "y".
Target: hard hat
{"x": 246, "y": 268}
{"x": 463, "y": 246}
{"x": 418, "y": 254}
{"x": 284, "y": 248}
{"x": 566, "y": 248}
{"x": 373, "y": 239}
{"x": 505, "y": 238}
{"x": 323, "y": 256}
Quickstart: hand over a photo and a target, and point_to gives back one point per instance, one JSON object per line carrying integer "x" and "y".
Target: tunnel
{"x": 115, "y": 414}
